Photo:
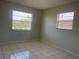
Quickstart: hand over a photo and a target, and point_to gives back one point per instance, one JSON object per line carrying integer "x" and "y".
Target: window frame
{"x": 57, "y": 24}
{"x": 19, "y": 20}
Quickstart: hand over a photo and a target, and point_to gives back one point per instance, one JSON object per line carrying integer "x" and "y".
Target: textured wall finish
{"x": 7, "y": 34}
{"x": 64, "y": 39}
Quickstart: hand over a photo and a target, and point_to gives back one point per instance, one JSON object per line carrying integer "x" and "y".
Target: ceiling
{"x": 42, "y": 4}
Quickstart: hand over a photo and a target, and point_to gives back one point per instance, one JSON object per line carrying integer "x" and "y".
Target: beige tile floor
{"x": 33, "y": 50}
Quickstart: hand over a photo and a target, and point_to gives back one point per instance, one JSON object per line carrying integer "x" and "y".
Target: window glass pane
{"x": 21, "y": 20}
{"x": 66, "y": 16}
{"x": 65, "y": 20}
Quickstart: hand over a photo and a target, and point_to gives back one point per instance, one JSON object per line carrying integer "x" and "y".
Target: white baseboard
{"x": 15, "y": 42}
{"x": 68, "y": 51}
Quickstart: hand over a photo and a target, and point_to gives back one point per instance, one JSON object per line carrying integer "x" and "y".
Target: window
{"x": 65, "y": 20}
{"x": 21, "y": 20}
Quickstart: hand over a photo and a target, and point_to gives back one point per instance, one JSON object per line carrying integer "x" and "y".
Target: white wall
{"x": 6, "y": 32}
{"x": 64, "y": 39}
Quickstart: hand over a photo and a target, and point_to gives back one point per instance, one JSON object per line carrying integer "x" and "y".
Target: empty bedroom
{"x": 39, "y": 29}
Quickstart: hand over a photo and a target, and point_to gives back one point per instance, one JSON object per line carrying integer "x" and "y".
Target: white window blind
{"x": 65, "y": 20}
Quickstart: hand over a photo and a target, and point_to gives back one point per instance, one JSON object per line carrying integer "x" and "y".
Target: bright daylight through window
{"x": 21, "y": 20}
{"x": 65, "y": 20}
